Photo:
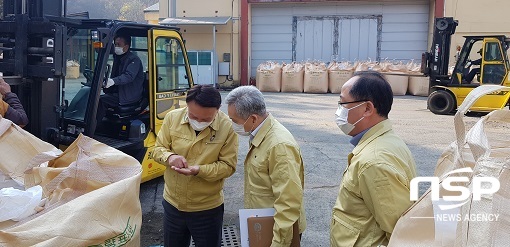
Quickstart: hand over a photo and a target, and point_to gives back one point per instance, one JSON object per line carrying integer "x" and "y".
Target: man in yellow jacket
{"x": 375, "y": 187}
{"x": 273, "y": 169}
{"x": 199, "y": 148}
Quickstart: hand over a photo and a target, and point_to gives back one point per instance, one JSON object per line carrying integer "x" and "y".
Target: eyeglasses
{"x": 356, "y": 101}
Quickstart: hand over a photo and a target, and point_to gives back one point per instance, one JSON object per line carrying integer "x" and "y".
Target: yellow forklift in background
{"x": 446, "y": 91}
{"x": 40, "y": 45}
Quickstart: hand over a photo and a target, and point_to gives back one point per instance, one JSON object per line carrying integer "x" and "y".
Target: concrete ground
{"x": 310, "y": 117}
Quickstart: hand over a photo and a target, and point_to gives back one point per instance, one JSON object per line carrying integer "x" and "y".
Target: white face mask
{"x": 198, "y": 126}
{"x": 341, "y": 116}
{"x": 239, "y": 128}
{"x": 119, "y": 51}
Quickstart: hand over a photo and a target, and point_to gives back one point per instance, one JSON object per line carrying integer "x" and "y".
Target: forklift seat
{"x": 122, "y": 111}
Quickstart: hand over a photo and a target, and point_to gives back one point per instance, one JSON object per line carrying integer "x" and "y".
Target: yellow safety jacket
{"x": 274, "y": 177}
{"x": 214, "y": 149}
{"x": 374, "y": 191}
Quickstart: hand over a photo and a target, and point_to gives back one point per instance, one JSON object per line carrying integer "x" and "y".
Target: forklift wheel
{"x": 441, "y": 102}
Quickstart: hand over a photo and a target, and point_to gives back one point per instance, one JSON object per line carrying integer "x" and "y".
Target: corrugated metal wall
{"x": 283, "y": 32}
{"x": 348, "y": 38}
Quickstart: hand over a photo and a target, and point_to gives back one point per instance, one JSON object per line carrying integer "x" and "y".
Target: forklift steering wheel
{"x": 88, "y": 74}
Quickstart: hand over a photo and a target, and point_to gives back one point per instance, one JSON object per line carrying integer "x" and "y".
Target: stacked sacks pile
{"x": 418, "y": 84}
{"x": 293, "y": 77}
{"x": 372, "y": 66}
{"x": 364, "y": 66}
{"x": 396, "y": 75}
{"x": 316, "y": 77}
{"x": 338, "y": 74}
{"x": 269, "y": 76}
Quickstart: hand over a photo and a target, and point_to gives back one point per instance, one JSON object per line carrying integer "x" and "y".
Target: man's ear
{"x": 253, "y": 118}
{"x": 369, "y": 109}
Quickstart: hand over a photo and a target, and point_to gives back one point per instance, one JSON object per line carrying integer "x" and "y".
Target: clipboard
{"x": 260, "y": 232}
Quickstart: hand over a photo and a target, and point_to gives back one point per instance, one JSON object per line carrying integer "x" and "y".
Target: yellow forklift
{"x": 40, "y": 44}
{"x": 446, "y": 91}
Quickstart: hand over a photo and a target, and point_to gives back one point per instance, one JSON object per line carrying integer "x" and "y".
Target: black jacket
{"x": 128, "y": 75}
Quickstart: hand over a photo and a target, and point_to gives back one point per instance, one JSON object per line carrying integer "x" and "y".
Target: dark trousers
{"x": 106, "y": 101}
{"x": 471, "y": 75}
{"x": 204, "y": 226}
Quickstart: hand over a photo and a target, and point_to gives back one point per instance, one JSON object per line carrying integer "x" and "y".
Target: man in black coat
{"x": 126, "y": 78}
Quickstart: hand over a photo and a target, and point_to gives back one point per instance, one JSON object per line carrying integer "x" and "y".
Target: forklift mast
{"x": 435, "y": 62}
{"x": 32, "y": 47}
{"x": 34, "y": 8}
{"x": 33, "y": 26}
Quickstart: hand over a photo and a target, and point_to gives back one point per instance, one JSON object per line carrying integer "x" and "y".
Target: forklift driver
{"x": 10, "y": 106}
{"x": 471, "y": 75}
{"x": 125, "y": 86}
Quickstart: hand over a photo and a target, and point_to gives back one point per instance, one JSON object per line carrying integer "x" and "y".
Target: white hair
{"x": 247, "y": 100}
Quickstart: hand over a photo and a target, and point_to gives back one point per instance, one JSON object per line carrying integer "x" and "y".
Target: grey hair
{"x": 247, "y": 100}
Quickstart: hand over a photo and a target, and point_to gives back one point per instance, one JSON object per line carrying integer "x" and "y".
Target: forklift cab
{"x": 129, "y": 128}
{"x": 58, "y": 64}
{"x": 494, "y": 65}
{"x": 448, "y": 91}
